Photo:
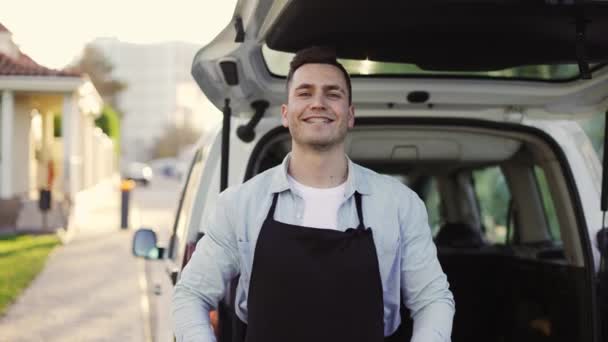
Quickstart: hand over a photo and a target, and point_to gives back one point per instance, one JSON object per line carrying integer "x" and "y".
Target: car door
{"x": 179, "y": 249}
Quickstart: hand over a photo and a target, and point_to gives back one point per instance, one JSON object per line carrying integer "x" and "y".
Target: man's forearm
{"x": 191, "y": 316}
{"x": 433, "y": 323}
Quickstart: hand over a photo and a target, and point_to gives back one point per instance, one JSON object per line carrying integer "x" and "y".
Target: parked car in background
{"x": 166, "y": 167}
{"x": 139, "y": 172}
{"x": 473, "y": 105}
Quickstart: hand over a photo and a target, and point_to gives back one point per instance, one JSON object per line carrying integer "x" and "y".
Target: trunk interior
{"x": 499, "y": 217}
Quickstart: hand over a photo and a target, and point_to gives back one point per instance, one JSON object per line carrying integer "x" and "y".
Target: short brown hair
{"x": 318, "y": 55}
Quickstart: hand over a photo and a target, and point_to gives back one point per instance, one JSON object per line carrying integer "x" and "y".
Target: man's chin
{"x": 318, "y": 144}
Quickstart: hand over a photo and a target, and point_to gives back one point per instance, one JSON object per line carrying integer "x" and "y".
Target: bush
{"x": 57, "y": 129}
{"x": 109, "y": 122}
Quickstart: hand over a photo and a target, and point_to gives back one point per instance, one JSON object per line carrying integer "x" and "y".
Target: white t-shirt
{"x": 320, "y": 204}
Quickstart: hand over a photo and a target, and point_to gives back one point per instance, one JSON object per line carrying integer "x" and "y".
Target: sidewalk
{"x": 92, "y": 289}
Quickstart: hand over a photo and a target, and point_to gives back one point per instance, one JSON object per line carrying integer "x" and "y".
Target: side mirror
{"x": 144, "y": 244}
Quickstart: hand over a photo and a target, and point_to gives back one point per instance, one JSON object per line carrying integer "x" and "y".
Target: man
{"x": 326, "y": 250}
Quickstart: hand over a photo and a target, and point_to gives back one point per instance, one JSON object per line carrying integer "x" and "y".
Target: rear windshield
{"x": 277, "y": 63}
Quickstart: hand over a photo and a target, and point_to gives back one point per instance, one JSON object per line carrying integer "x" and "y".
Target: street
{"x": 154, "y": 207}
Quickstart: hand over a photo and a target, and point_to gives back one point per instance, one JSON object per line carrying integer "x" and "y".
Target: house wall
{"x": 88, "y": 156}
{"x": 72, "y": 143}
{"x": 47, "y": 149}
{"x": 98, "y": 156}
{"x": 1, "y": 152}
{"x": 59, "y": 184}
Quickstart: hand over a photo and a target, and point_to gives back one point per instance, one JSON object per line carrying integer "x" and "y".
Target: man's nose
{"x": 318, "y": 101}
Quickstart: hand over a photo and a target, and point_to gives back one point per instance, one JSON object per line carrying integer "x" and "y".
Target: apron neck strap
{"x": 359, "y": 210}
{"x": 270, "y": 215}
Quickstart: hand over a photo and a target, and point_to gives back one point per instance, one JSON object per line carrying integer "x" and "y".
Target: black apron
{"x": 314, "y": 285}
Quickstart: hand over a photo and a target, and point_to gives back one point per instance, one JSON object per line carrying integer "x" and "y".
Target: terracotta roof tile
{"x": 25, "y": 66}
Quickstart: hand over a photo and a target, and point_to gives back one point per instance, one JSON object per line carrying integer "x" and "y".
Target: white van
{"x": 472, "y": 104}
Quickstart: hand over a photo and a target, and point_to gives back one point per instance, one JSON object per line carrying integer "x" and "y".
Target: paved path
{"x": 91, "y": 289}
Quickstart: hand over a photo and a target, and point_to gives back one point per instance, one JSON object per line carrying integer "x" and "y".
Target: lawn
{"x": 22, "y": 257}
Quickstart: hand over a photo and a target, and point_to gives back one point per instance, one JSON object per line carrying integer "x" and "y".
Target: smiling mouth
{"x": 318, "y": 120}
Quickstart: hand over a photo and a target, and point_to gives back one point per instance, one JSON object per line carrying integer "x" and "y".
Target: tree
{"x": 174, "y": 140}
{"x": 98, "y": 67}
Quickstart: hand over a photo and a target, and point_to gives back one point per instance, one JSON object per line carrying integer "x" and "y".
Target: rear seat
{"x": 474, "y": 271}
{"x": 477, "y": 281}
{"x": 500, "y": 295}
{"x": 459, "y": 235}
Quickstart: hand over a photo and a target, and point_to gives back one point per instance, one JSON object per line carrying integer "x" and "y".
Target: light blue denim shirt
{"x": 407, "y": 256}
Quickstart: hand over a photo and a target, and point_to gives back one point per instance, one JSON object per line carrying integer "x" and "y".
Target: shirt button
{"x": 299, "y": 215}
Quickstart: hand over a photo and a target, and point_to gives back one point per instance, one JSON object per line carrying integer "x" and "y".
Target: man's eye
{"x": 334, "y": 95}
{"x": 304, "y": 94}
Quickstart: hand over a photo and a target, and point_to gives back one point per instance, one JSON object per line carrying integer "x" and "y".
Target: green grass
{"x": 22, "y": 257}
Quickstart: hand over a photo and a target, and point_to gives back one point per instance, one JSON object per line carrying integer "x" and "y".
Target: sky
{"x": 54, "y": 32}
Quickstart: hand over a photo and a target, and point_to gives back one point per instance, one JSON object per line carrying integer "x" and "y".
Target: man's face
{"x": 317, "y": 112}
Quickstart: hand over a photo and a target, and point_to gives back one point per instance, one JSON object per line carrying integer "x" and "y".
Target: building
{"x": 160, "y": 93}
{"x": 34, "y": 157}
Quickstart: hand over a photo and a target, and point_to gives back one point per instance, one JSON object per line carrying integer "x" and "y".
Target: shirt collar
{"x": 354, "y": 182}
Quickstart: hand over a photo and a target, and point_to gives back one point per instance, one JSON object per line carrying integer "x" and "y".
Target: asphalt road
{"x": 154, "y": 207}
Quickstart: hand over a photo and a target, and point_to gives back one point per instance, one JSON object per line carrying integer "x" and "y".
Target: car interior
{"x": 502, "y": 218}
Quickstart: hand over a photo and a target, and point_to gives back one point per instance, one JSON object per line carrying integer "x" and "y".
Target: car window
{"x": 432, "y": 200}
{"x": 548, "y": 206}
{"x": 429, "y": 193}
{"x": 493, "y": 196}
{"x": 594, "y": 128}
{"x": 277, "y": 63}
{"x": 188, "y": 194}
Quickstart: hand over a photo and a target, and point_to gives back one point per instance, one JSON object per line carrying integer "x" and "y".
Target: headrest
{"x": 459, "y": 235}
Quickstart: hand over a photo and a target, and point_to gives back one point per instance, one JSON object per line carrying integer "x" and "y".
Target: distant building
{"x": 160, "y": 92}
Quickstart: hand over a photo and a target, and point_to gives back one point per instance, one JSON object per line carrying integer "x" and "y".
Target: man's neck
{"x": 318, "y": 169}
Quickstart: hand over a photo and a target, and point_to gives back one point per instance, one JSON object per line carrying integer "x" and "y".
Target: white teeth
{"x": 317, "y": 120}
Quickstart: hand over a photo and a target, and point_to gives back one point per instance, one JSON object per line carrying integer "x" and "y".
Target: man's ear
{"x": 351, "y": 116}
{"x": 284, "y": 115}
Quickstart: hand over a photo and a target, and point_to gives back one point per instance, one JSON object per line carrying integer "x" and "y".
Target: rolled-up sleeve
{"x": 424, "y": 286}
{"x": 204, "y": 280}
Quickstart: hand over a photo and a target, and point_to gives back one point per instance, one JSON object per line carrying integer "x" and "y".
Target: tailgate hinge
{"x": 240, "y": 30}
{"x": 581, "y": 48}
